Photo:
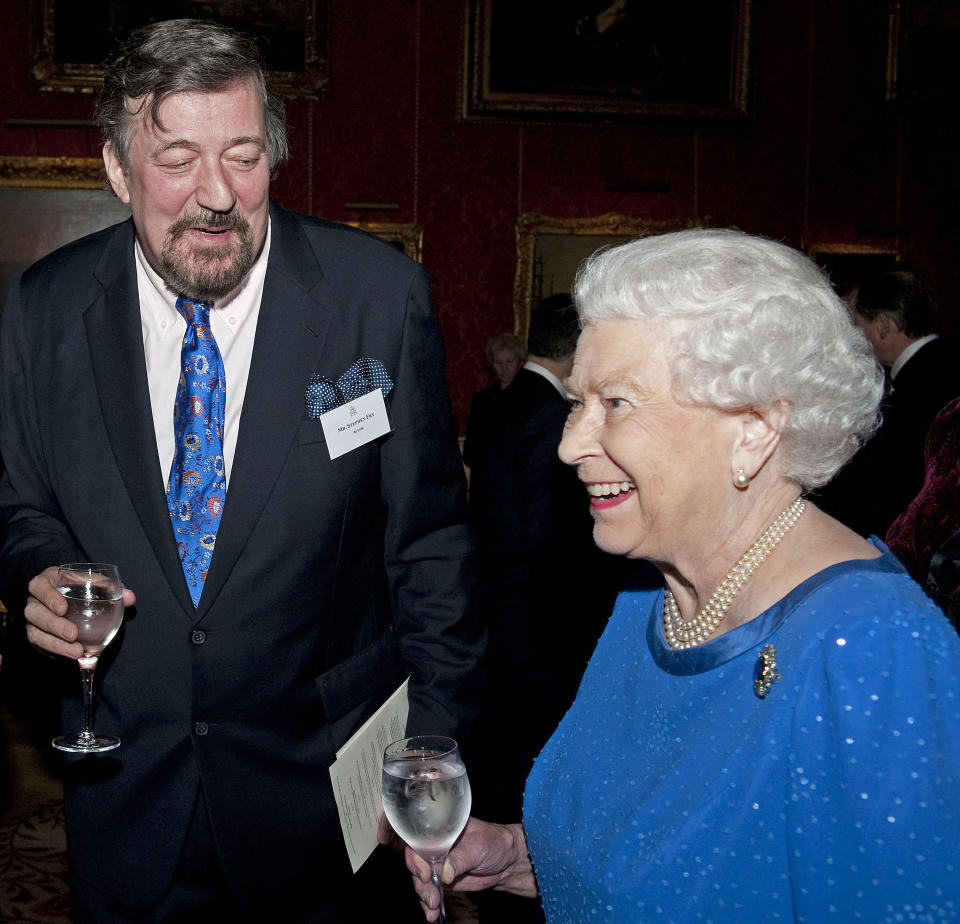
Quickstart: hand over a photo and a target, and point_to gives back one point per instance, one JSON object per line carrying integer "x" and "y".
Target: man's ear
{"x": 115, "y": 173}
{"x": 759, "y": 436}
{"x": 885, "y": 325}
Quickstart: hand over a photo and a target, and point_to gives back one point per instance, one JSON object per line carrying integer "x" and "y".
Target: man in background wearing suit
{"x": 277, "y": 591}
{"x": 545, "y": 589}
{"x": 897, "y": 314}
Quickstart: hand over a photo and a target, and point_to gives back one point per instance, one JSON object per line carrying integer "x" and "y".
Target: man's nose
{"x": 214, "y": 189}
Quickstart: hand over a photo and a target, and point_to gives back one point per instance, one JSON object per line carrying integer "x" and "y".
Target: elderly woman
{"x": 504, "y": 354}
{"x": 768, "y": 728}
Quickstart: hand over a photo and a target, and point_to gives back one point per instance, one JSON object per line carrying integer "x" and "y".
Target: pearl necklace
{"x": 682, "y": 633}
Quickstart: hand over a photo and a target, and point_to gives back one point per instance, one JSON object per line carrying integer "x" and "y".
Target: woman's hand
{"x": 487, "y": 856}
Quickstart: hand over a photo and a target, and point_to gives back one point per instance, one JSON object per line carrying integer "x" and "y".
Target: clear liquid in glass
{"x": 427, "y": 803}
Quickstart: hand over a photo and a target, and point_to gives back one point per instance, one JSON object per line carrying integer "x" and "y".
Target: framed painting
{"x": 549, "y": 250}
{"x": 52, "y": 172}
{"x": 74, "y": 37}
{"x": 923, "y": 51}
{"x": 48, "y": 202}
{"x": 408, "y": 238}
{"x": 847, "y": 264}
{"x": 598, "y": 59}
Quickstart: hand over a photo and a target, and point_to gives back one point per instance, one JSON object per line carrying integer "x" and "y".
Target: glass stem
{"x": 86, "y": 679}
{"x": 436, "y": 868}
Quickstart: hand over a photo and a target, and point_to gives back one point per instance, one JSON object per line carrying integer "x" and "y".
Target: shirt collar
{"x": 548, "y": 375}
{"x": 157, "y": 302}
{"x": 908, "y": 353}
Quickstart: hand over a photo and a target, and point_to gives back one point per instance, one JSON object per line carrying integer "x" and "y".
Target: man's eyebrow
{"x": 176, "y": 143}
{"x": 188, "y": 145}
{"x": 247, "y": 139}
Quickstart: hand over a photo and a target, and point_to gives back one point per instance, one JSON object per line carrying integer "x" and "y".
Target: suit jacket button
{"x": 198, "y": 637}
{"x": 201, "y": 728}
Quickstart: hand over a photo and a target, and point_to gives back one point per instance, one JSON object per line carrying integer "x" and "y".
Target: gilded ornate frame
{"x": 52, "y": 172}
{"x": 480, "y": 98}
{"x": 532, "y": 228}
{"x": 922, "y": 40}
{"x": 407, "y": 236}
{"x": 845, "y": 262}
{"x": 86, "y": 77}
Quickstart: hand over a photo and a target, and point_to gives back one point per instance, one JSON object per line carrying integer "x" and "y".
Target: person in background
{"x": 278, "y": 591}
{"x": 897, "y": 314}
{"x": 545, "y": 589}
{"x": 926, "y": 536}
{"x": 504, "y": 355}
{"x": 769, "y": 728}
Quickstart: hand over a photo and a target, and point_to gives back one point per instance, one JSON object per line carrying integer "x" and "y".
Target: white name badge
{"x": 355, "y": 423}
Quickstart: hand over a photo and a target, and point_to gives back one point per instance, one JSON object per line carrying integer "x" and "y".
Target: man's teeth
{"x": 606, "y": 489}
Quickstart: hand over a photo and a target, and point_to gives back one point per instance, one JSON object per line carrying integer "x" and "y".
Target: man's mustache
{"x": 229, "y": 221}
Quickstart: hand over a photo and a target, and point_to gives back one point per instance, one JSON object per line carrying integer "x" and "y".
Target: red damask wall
{"x": 823, "y": 158}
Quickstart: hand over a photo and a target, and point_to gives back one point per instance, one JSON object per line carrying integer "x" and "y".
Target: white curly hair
{"x": 767, "y": 328}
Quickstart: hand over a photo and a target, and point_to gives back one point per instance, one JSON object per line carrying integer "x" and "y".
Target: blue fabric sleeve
{"x": 872, "y": 802}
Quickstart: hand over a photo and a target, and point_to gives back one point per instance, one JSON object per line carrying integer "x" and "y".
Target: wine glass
{"x": 95, "y": 605}
{"x": 426, "y": 798}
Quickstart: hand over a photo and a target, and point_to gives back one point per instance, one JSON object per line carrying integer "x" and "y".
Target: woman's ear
{"x": 759, "y": 436}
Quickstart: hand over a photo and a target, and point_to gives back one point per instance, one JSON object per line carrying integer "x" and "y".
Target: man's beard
{"x": 207, "y": 273}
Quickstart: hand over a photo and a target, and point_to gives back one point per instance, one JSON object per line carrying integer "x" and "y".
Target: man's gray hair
{"x": 763, "y": 327}
{"x": 181, "y": 56}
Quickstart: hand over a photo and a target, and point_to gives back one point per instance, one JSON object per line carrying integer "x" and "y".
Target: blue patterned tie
{"x": 198, "y": 487}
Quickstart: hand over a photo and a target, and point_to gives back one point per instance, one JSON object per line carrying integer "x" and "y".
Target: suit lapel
{"x": 116, "y": 353}
{"x": 291, "y": 330}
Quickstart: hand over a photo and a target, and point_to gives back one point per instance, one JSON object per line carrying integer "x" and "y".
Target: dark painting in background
{"x": 75, "y": 37}
{"x": 848, "y": 265}
{"x": 923, "y": 51}
{"x": 550, "y": 249}
{"x": 605, "y": 57}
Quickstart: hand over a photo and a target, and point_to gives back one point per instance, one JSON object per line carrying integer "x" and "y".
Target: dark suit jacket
{"x": 546, "y": 590}
{"x": 881, "y": 480}
{"x": 482, "y": 421}
{"x": 515, "y": 471}
{"x": 331, "y": 580}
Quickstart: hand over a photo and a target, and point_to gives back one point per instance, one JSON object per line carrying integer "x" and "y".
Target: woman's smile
{"x": 605, "y": 494}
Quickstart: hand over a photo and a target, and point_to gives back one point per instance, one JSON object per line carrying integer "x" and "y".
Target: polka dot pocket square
{"x": 363, "y": 376}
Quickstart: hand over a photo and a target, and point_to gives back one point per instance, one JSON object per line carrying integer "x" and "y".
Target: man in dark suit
{"x": 897, "y": 314}
{"x": 329, "y": 578}
{"x": 545, "y": 588}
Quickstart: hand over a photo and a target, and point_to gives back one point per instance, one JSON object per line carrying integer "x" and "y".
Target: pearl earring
{"x": 741, "y": 480}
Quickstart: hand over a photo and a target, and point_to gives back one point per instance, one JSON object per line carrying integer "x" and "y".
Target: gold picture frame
{"x": 549, "y": 249}
{"x": 846, "y": 264}
{"x": 922, "y": 41}
{"x": 48, "y": 202}
{"x": 540, "y": 60}
{"x": 406, "y": 237}
{"x": 68, "y": 50}
{"x": 52, "y": 172}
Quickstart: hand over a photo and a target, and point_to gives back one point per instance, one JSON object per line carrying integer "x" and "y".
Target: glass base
{"x": 79, "y": 743}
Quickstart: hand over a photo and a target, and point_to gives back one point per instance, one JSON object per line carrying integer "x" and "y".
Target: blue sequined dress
{"x": 672, "y": 792}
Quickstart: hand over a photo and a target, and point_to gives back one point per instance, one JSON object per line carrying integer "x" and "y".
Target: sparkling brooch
{"x": 765, "y": 672}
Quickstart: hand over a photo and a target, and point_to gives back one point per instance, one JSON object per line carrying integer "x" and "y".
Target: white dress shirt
{"x": 548, "y": 375}
{"x": 908, "y": 353}
{"x": 234, "y": 324}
